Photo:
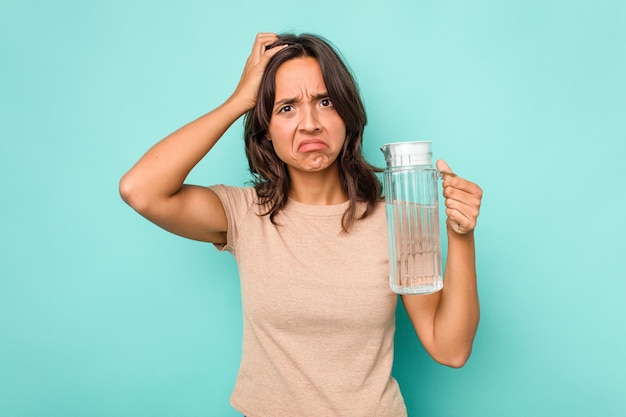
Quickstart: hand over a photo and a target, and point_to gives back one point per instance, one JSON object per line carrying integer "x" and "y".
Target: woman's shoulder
{"x": 233, "y": 189}
{"x": 235, "y": 196}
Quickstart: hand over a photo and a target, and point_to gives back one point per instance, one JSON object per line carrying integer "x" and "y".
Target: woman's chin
{"x": 315, "y": 163}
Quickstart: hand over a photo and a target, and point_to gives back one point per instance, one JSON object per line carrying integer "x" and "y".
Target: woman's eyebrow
{"x": 289, "y": 100}
{"x": 286, "y": 100}
{"x": 320, "y": 96}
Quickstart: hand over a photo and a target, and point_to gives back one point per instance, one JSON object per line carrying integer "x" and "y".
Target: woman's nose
{"x": 310, "y": 121}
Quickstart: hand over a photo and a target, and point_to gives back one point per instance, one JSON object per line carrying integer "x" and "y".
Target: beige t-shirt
{"x": 319, "y": 316}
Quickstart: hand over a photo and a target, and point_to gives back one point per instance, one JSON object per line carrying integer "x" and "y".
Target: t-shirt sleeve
{"x": 237, "y": 202}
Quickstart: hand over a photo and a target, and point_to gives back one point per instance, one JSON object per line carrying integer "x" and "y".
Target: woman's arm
{"x": 446, "y": 321}
{"x": 155, "y": 187}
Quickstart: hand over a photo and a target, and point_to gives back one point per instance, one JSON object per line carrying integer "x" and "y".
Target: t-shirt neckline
{"x": 317, "y": 210}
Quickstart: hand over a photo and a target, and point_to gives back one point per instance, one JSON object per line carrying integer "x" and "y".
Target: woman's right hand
{"x": 155, "y": 188}
{"x": 248, "y": 87}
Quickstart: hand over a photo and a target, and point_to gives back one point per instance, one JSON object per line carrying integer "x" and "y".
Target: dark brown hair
{"x": 270, "y": 176}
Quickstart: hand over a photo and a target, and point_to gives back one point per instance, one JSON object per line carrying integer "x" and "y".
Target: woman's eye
{"x": 326, "y": 102}
{"x": 285, "y": 109}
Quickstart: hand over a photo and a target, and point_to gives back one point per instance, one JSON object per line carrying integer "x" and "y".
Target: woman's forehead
{"x": 299, "y": 76}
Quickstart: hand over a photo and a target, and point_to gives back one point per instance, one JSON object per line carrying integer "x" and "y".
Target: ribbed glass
{"x": 412, "y": 210}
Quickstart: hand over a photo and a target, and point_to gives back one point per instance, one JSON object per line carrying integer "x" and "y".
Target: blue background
{"x": 104, "y": 314}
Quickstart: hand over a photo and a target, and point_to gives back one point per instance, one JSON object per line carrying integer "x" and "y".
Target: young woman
{"x": 309, "y": 238}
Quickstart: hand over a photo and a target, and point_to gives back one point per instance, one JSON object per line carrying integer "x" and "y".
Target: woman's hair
{"x": 270, "y": 176}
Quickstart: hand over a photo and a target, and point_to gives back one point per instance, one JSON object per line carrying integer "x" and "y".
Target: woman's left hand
{"x": 462, "y": 201}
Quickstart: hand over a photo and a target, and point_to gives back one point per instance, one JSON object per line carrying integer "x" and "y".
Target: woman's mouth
{"x": 311, "y": 145}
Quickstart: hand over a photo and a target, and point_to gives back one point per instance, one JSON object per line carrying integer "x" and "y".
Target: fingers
{"x": 462, "y": 217}
{"x": 262, "y": 42}
{"x": 443, "y": 166}
{"x": 260, "y": 54}
{"x": 458, "y": 183}
{"x": 462, "y": 201}
{"x": 246, "y": 91}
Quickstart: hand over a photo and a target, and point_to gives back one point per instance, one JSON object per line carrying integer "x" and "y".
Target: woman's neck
{"x": 317, "y": 188}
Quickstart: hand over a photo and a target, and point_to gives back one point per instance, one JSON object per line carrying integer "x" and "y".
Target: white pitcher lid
{"x": 399, "y": 154}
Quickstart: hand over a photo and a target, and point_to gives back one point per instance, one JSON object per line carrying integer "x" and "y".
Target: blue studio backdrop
{"x": 104, "y": 314}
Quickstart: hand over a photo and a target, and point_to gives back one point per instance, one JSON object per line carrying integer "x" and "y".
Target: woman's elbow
{"x": 455, "y": 359}
{"x": 130, "y": 193}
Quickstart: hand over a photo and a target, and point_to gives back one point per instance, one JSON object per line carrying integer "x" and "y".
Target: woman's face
{"x": 305, "y": 129}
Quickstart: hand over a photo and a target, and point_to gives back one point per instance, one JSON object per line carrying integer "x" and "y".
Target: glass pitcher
{"x": 412, "y": 209}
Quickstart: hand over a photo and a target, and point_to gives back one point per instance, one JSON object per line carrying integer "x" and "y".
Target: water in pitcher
{"x": 411, "y": 198}
{"x": 415, "y": 246}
